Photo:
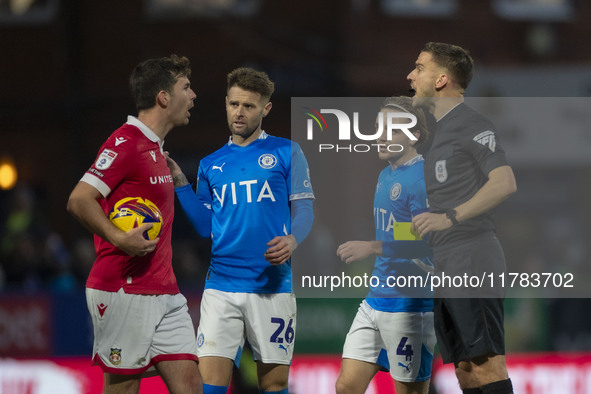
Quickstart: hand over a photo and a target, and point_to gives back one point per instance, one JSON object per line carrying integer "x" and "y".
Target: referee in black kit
{"x": 466, "y": 175}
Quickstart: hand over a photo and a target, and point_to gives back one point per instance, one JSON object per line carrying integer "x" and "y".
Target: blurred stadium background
{"x": 64, "y": 66}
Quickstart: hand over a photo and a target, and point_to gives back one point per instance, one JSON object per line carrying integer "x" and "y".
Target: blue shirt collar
{"x": 263, "y": 136}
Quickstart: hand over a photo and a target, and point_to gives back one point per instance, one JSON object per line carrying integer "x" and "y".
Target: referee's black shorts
{"x": 469, "y": 322}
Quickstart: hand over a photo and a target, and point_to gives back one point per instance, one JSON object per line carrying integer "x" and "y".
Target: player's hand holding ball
{"x": 141, "y": 221}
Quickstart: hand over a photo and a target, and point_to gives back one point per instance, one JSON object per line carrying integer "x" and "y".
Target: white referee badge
{"x": 395, "y": 191}
{"x": 487, "y": 138}
{"x": 267, "y": 161}
{"x": 440, "y": 171}
{"x": 105, "y": 160}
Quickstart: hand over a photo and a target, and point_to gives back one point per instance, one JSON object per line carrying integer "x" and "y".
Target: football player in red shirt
{"x": 140, "y": 319}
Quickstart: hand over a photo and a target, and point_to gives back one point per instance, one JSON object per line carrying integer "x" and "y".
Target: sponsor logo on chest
{"x": 384, "y": 219}
{"x": 248, "y": 190}
{"x": 156, "y": 180}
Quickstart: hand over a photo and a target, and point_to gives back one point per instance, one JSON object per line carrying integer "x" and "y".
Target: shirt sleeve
{"x": 111, "y": 166}
{"x": 203, "y": 189}
{"x": 300, "y": 185}
{"x": 198, "y": 211}
{"x": 417, "y": 200}
{"x": 302, "y": 214}
{"x": 486, "y": 150}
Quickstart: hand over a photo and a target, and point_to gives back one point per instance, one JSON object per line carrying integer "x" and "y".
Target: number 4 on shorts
{"x": 404, "y": 349}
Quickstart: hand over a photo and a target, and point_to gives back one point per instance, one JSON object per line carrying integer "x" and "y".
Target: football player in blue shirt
{"x": 393, "y": 329}
{"x": 254, "y": 199}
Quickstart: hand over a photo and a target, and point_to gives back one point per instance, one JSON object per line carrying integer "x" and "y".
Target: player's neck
{"x": 445, "y": 104}
{"x": 244, "y": 141}
{"x": 154, "y": 123}
{"x": 409, "y": 155}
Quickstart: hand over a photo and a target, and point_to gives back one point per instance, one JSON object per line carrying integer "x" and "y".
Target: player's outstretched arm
{"x": 197, "y": 213}
{"x": 352, "y": 251}
{"x": 280, "y": 249}
{"x": 83, "y": 205}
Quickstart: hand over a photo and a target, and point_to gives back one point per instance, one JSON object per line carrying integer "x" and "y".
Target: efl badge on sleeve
{"x": 440, "y": 171}
{"x": 105, "y": 160}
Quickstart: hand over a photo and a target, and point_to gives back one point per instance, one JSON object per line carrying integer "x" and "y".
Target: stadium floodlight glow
{"x": 8, "y": 174}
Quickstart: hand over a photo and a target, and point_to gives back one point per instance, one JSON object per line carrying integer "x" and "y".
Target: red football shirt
{"x": 131, "y": 164}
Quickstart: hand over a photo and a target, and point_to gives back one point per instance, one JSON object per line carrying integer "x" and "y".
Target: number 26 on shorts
{"x": 282, "y": 332}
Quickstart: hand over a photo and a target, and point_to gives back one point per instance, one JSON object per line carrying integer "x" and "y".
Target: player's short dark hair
{"x": 153, "y": 75}
{"x": 455, "y": 59}
{"x": 404, "y": 103}
{"x": 251, "y": 80}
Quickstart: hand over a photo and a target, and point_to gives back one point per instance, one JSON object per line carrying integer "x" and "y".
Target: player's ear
{"x": 162, "y": 98}
{"x": 267, "y": 108}
{"x": 417, "y": 134}
{"x": 441, "y": 81}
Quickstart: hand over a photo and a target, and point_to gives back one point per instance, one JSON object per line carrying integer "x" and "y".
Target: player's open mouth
{"x": 412, "y": 92}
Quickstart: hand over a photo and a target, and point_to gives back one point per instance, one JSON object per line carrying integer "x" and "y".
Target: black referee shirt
{"x": 465, "y": 149}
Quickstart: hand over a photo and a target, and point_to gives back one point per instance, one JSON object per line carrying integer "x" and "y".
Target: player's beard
{"x": 424, "y": 102}
{"x": 422, "y": 99}
{"x": 245, "y": 132}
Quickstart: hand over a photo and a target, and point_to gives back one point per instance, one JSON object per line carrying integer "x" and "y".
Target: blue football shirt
{"x": 400, "y": 195}
{"x": 249, "y": 190}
